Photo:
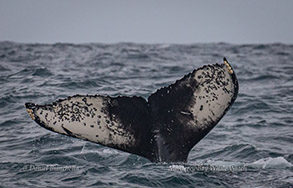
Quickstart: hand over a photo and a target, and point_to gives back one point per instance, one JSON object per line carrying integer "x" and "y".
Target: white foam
{"x": 109, "y": 151}
{"x": 222, "y": 163}
{"x": 269, "y": 162}
{"x": 180, "y": 168}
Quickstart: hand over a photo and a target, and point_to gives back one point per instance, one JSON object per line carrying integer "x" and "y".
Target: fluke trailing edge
{"x": 163, "y": 128}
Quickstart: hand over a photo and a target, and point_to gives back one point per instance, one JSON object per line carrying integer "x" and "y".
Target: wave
{"x": 236, "y": 153}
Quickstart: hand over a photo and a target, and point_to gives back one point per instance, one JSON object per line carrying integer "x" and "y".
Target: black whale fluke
{"x": 163, "y": 128}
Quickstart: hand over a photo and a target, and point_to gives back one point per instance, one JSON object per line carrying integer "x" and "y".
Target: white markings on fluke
{"x": 163, "y": 128}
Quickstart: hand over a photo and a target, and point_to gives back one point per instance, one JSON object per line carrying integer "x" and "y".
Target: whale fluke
{"x": 163, "y": 128}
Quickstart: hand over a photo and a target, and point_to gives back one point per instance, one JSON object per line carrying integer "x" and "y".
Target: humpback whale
{"x": 162, "y": 128}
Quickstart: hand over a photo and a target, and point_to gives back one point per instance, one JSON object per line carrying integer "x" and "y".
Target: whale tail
{"x": 163, "y": 128}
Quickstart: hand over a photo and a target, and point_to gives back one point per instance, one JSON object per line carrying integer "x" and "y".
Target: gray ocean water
{"x": 252, "y": 146}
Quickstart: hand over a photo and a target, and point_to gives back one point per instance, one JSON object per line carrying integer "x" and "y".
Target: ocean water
{"x": 252, "y": 146}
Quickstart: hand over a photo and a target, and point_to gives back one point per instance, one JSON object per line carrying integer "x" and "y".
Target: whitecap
{"x": 269, "y": 162}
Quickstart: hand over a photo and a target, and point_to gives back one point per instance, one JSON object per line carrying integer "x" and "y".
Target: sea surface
{"x": 252, "y": 146}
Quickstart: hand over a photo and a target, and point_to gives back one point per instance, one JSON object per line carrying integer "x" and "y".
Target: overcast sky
{"x": 148, "y": 21}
